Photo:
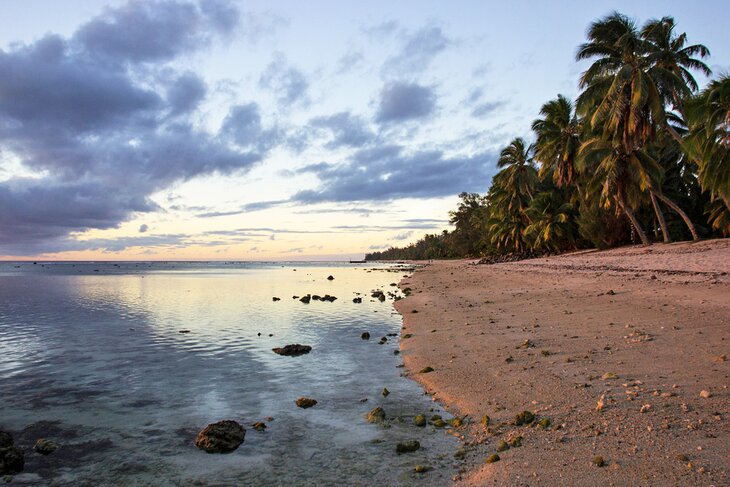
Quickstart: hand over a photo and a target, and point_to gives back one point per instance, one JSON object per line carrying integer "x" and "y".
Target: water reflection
{"x": 102, "y": 353}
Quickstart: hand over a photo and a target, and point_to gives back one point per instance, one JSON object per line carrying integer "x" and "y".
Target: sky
{"x": 285, "y": 130}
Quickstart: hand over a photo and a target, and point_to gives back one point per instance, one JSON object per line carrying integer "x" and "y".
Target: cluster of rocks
{"x": 12, "y": 458}
{"x": 315, "y": 297}
{"x": 514, "y": 257}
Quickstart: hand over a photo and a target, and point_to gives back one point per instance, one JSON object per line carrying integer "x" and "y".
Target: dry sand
{"x": 644, "y": 330}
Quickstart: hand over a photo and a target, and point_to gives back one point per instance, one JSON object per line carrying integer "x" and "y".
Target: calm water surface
{"x": 91, "y": 356}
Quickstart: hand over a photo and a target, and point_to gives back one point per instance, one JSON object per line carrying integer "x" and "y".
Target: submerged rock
{"x": 376, "y": 415}
{"x": 365, "y": 336}
{"x": 11, "y": 460}
{"x": 293, "y": 350}
{"x": 221, "y": 437}
{"x": 6, "y": 439}
{"x": 44, "y": 446}
{"x": 421, "y": 468}
{"x": 386, "y": 392}
{"x": 259, "y": 426}
{"x": 420, "y": 420}
{"x": 305, "y": 402}
{"x": 407, "y": 446}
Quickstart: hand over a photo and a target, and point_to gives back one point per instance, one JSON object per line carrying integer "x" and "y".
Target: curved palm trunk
{"x": 660, "y": 218}
{"x": 629, "y": 213}
{"x": 681, "y": 213}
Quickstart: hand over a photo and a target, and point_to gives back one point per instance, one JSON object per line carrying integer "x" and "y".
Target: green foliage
{"x": 639, "y": 138}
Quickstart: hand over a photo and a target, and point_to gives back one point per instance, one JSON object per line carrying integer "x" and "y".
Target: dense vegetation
{"x": 641, "y": 155}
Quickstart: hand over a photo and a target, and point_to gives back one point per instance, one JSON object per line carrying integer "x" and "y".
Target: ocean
{"x": 121, "y": 364}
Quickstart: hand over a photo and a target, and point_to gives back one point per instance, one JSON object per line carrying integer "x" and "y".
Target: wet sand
{"x": 640, "y": 331}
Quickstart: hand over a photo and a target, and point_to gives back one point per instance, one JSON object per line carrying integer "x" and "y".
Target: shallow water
{"x": 91, "y": 357}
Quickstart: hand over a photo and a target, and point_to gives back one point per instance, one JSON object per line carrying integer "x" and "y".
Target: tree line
{"x": 641, "y": 155}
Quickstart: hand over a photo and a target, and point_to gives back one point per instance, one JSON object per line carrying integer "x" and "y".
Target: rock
{"x": 421, "y": 468}
{"x": 396, "y": 352}
{"x": 305, "y": 402}
{"x": 377, "y": 415}
{"x": 420, "y": 420}
{"x": 502, "y": 446}
{"x": 45, "y": 447}
{"x": 611, "y": 292}
{"x": 544, "y": 423}
{"x": 598, "y": 461}
{"x": 439, "y": 423}
{"x": 6, "y": 439}
{"x": 305, "y": 299}
{"x": 11, "y": 460}
{"x": 381, "y": 298}
{"x": 609, "y": 375}
{"x": 645, "y": 408}
{"x": 525, "y": 417}
{"x": 259, "y": 426}
{"x": 682, "y": 457}
{"x": 705, "y": 394}
{"x": 426, "y": 370}
{"x": 515, "y": 442}
{"x": 316, "y": 297}
{"x": 383, "y": 341}
{"x": 406, "y": 336}
{"x": 221, "y": 437}
{"x": 365, "y": 336}
{"x": 330, "y": 278}
{"x": 456, "y": 422}
{"x": 357, "y": 300}
{"x": 485, "y": 421}
{"x": 492, "y": 458}
{"x": 526, "y": 344}
{"x": 386, "y": 392}
{"x": 275, "y": 299}
{"x": 184, "y": 331}
{"x": 407, "y": 446}
{"x": 293, "y": 350}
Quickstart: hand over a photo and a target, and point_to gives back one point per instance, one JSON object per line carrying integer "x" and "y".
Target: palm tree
{"x": 672, "y": 61}
{"x": 623, "y": 101}
{"x": 708, "y": 117}
{"x": 558, "y": 141}
{"x": 551, "y": 222}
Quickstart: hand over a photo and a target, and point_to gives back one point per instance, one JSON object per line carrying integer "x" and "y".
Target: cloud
{"x": 147, "y": 31}
{"x": 288, "y": 83}
{"x": 349, "y": 61}
{"x": 185, "y": 93}
{"x": 487, "y": 108}
{"x": 388, "y": 172}
{"x": 418, "y": 51}
{"x": 243, "y": 127}
{"x": 143, "y": 228}
{"x": 88, "y": 117}
{"x": 345, "y": 129}
{"x": 403, "y": 236}
{"x": 400, "y": 101}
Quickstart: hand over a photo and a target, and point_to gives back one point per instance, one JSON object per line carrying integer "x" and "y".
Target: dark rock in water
{"x": 329, "y": 298}
{"x": 357, "y": 300}
{"x": 420, "y": 420}
{"x": 6, "y": 439}
{"x": 305, "y": 402}
{"x": 365, "y": 336}
{"x": 316, "y": 297}
{"x": 396, "y": 352}
{"x": 184, "y": 331}
{"x": 305, "y": 299}
{"x": 407, "y": 447}
{"x": 377, "y": 415}
{"x": 421, "y": 468}
{"x": 259, "y": 426}
{"x": 386, "y": 392}
{"x": 293, "y": 350}
{"x": 330, "y": 278}
{"x": 383, "y": 340}
{"x": 44, "y": 446}
{"x": 11, "y": 460}
{"x": 221, "y": 437}
{"x": 275, "y": 299}
{"x": 392, "y": 334}
{"x": 381, "y": 297}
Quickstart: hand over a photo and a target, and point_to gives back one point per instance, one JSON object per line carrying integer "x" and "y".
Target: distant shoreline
{"x": 642, "y": 331}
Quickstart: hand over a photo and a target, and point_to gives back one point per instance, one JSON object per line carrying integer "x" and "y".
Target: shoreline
{"x": 642, "y": 331}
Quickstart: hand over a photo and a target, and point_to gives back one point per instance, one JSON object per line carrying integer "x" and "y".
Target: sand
{"x": 642, "y": 330}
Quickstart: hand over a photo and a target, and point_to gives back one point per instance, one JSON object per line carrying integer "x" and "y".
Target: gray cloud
{"x": 418, "y": 51}
{"x": 346, "y": 130}
{"x": 146, "y": 31}
{"x": 143, "y": 228}
{"x": 400, "y": 101}
{"x": 77, "y": 112}
{"x": 288, "y": 83}
{"x": 487, "y": 108}
{"x": 386, "y": 173}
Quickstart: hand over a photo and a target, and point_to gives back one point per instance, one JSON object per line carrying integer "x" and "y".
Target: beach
{"x": 623, "y": 352}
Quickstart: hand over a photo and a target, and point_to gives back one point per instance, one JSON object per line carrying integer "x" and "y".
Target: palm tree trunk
{"x": 660, "y": 218}
{"x": 681, "y": 213}
{"x": 629, "y": 213}
{"x": 675, "y": 135}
